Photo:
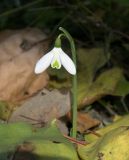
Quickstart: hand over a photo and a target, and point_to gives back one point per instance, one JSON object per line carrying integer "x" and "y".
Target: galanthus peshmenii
{"x": 56, "y": 57}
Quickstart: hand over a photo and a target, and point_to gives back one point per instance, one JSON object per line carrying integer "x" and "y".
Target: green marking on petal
{"x": 56, "y": 64}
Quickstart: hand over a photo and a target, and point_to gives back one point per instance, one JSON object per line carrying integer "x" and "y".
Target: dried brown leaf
{"x": 42, "y": 108}
{"x": 85, "y": 122}
{"x": 17, "y": 78}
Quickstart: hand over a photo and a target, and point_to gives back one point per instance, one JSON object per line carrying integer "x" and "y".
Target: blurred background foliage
{"x": 92, "y": 23}
{"x": 88, "y": 20}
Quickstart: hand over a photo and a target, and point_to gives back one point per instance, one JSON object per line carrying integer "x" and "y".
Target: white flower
{"x": 56, "y": 57}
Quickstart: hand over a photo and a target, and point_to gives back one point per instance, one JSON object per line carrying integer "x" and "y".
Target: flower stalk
{"x": 74, "y": 84}
{"x": 57, "y": 58}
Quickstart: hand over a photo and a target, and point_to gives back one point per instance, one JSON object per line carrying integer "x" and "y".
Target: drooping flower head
{"x": 56, "y": 58}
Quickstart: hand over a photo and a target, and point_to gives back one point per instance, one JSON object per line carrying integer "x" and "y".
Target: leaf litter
{"x": 25, "y": 97}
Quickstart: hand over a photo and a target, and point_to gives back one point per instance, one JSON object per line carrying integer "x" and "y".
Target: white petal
{"x": 44, "y": 62}
{"x": 67, "y": 63}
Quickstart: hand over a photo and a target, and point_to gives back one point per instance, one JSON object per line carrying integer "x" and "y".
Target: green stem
{"x": 58, "y": 40}
{"x": 74, "y": 84}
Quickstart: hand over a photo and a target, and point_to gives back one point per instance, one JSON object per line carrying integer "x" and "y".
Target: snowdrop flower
{"x": 56, "y": 57}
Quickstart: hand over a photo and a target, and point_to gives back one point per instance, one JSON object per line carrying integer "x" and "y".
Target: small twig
{"x": 29, "y": 118}
{"x": 46, "y": 8}
{"x": 124, "y": 104}
{"x": 38, "y": 121}
{"x": 75, "y": 141}
{"x": 121, "y": 33}
{"x": 14, "y": 154}
{"x": 107, "y": 107}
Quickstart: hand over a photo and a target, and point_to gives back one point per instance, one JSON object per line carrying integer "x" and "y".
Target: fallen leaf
{"x": 112, "y": 145}
{"x": 92, "y": 86}
{"x": 42, "y": 108}
{"x": 85, "y": 122}
{"x": 104, "y": 85}
{"x": 123, "y": 121}
{"x": 18, "y": 80}
{"x": 20, "y": 140}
